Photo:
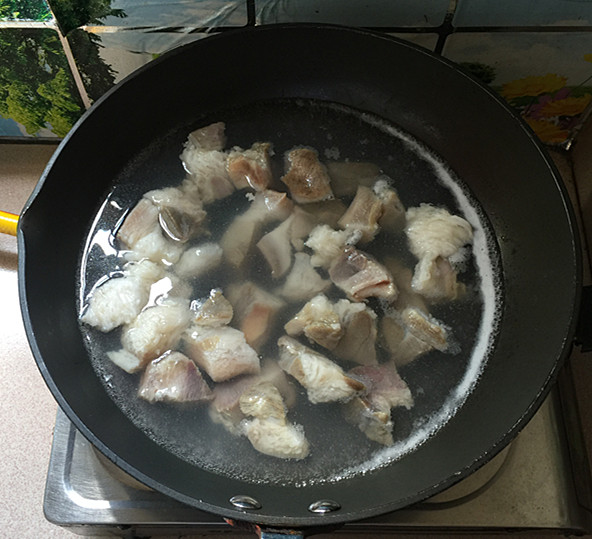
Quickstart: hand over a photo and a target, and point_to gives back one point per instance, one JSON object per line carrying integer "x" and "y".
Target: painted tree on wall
{"x": 97, "y": 75}
{"x": 36, "y": 87}
{"x": 71, "y": 14}
{"x": 32, "y": 10}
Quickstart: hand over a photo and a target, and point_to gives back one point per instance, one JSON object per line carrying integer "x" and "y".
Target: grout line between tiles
{"x": 28, "y": 24}
{"x": 74, "y": 69}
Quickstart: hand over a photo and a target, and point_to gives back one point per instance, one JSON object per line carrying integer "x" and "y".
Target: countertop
{"x": 28, "y": 409}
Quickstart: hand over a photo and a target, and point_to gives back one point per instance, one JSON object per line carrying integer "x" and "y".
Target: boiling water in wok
{"x": 439, "y": 382}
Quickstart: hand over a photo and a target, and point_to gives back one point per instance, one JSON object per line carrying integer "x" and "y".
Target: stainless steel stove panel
{"x": 87, "y": 494}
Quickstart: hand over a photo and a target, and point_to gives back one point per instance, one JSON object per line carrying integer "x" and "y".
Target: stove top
{"x": 514, "y": 491}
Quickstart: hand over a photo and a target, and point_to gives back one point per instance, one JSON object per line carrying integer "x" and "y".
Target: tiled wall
{"x": 536, "y": 53}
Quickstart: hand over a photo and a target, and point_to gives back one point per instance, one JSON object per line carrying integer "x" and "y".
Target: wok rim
{"x": 339, "y": 517}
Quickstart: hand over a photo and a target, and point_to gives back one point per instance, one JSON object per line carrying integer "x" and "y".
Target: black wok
{"x": 481, "y": 141}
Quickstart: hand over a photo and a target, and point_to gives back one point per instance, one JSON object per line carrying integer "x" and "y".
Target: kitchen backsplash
{"x": 57, "y": 58}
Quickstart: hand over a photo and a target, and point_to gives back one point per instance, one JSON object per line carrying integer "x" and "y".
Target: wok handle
{"x": 8, "y": 223}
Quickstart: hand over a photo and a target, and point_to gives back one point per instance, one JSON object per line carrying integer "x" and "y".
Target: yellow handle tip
{"x": 8, "y": 223}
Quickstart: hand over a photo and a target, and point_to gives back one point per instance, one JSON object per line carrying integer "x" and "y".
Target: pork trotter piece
{"x": 222, "y": 352}
{"x": 323, "y": 379}
{"x": 307, "y": 178}
{"x": 372, "y": 412}
{"x": 360, "y": 276}
{"x": 173, "y": 377}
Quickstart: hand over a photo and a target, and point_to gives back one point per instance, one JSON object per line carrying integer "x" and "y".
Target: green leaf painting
{"x": 36, "y": 87}
{"x": 71, "y": 14}
{"x": 29, "y": 10}
{"x": 96, "y": 74}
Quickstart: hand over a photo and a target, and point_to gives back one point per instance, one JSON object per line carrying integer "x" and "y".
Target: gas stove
{"x": 532, "y": 485}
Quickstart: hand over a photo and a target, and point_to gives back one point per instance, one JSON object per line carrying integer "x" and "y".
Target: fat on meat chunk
{"x": 346, "y": 328}
{"x": 263, "y": 400}
{"x": 170, "y": 286}
{"x": 268, "y": 206}
{"x": 301, "y": 226}
{"x": 156, "y": 247}
{"x": 306, "y": 218}
{"x": 374, "y": 209}
{"x": 176, "y": 198}
{"x": 363, "y": 214}
{"x": 323, "y": 379}
{"x": 372, "y": 412}
{"x": 307, "y": 178}
{"x": 386, "y": 388}
{"x": 433, "y": 231}
{"x": 173, "y": 377}
{"x": 268, "y": 431}
{"x": 276, "y": 248}
{"x": 222, "y": 352}
{"x": 402, "y": 345}
{"x": 428, "y": 329}
{"x": 255, "y": 311}
{"x": 225, "y": 407}
{"x": 328, "y": 244}
{"x": 207, "y": 177}
{"x": 251, "y": 167}
{"x": 346, "y": 176}
{"x": 181, "y": 217}
{"x": 436, "y": 280}
{"x": 156, "y": 329}
{"x": 358, "y": 342}
{"x": 393, "y": 217}
{"x": 303, "y": 281}
{"x": 214, "y": 311}
{"x": 145, "y": 270}
{"x": 403, "y": 277}
{"x": 375, "y": 423}
{"x": 277, "y": 439}
{"x": 199, "y": 260}
{"x": 142, "y": 234}
{"x": 271, "y": 372}
{"x": 326, "y": 212}
{"x": 205, "y": 163}
{"x": 141, "y": 220}
{"x": 240, "y": 236}
{"x": 120, "y": 299}
{"x": 319, "y": 322}
{"x": 210, "y": 137}
{"x": 126, "y": 360}
{"x": 360, "y": 276}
